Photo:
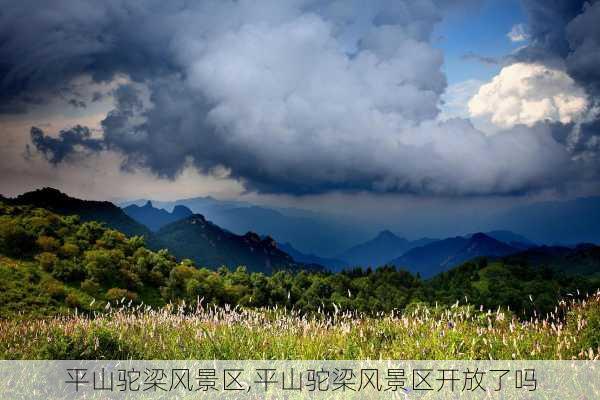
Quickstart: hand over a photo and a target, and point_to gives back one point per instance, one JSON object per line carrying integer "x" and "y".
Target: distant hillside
{"x": 190, "y": 236}
{"x": 379, "y": 250}
{"x": 310, "y": 232}
{"x": 581, "y": 260}
{"x": 375, "y": 252}
{"x": 210, "y": 246}
{"x": 331, "y": 264}
{"x": 88, "y": 210}
{"x": 155, "y": 218}
{"x": 503, "y": 282}
{"x": 204, "y": 205}
{"x": 442, "y": 255}
{"x": 511, "y": 238}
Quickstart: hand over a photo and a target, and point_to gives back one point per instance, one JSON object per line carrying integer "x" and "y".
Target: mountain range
{"x": 442, "y": 255}
{"x": 210, "y": 246}
{"x": 310, "y": 232}
{"x": 332, "y": 264}
{"x": 379, "y": 250}
{"x": 327, "y": 235}
{"x": 385, "y": 248}
{"x": 190, "y": 235}
{"x": 155, "y": 218}
{"x": 428, "y": 256}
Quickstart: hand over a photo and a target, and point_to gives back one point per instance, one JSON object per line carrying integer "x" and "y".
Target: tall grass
{"x": 123, "y": 331}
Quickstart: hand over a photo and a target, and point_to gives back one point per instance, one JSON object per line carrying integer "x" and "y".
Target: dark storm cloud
{"x": 77, "y": 103}
{"x": 547, "y": 23}
{"x": 298, "y": 96}
{"x": 567, "y": 32}
{"x": 583, "y": 61}
{"x": 69, "y": 143}
{"x": 45, "y": 44}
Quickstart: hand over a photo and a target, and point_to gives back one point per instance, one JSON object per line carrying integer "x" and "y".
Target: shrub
{"x": 100, "y": 265}
{"x": 55, "y": 290}
{"x": 47, "y": 261}
{"x": 90, "y": 286}
{"x": 14, "y": 240}
{"x": 69, "y": 250}
{"x": 116, "y": 294}
{"x": 130, "y": 279}
{"x": 48, "y": 243}
{"x": 68, "y": 271}
{"x": 73, "y": 301}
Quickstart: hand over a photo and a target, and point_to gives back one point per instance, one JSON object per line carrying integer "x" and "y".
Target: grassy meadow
{"x": 123, "y": 331}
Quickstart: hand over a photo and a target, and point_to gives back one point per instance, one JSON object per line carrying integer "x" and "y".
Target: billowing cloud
{"x": 567, "y": 34}
{"x": 455, "y": 100}
{"x": 296, "y": 97}
{"x": 583, "y": 33}
{"x": 527, "y": 94}
{"x": 70, "y": 142}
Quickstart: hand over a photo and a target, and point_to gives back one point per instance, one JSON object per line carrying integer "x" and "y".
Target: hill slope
{"x": 442, "y": 255}
{"x": 88, "y": 210}
{"x": 581, "y": 260}
{"x": 510, "y": 238}
{"x": 197, "y": 239}
{"x": 375, "y": 252}
{"x": 210, "y": 246}
{"x": 379, "y": 250}
{"x": 332, "y": 264}
{"x": 310, "y": 232}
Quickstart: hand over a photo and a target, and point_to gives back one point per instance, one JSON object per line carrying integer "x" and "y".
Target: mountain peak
{"x": 377, "y": 251}
{"x": 479, "y": 236}
{"x": 181, "y": 211}
{"x": 154, "y": 217}
{"x": 386, "y": 234}
{"x": 47, "y": 193}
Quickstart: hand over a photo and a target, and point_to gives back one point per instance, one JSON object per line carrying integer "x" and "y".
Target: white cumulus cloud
{"x": 524, "y": 93}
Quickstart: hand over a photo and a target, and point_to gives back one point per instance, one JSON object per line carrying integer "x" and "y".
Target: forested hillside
{"x": 184, "y": 234}
{"x": 51, "y": 263}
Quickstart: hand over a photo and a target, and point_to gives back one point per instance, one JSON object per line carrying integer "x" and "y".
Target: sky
{"x": 378, "y": 108}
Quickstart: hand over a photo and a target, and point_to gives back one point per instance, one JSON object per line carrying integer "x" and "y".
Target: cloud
{"x": 77, "y": 103}
{"x": 455, "y": 100}
{"x": 547, "y": 26}
{"x": 295, "y": 97}
{"x": 583, "y": 34}
{"x": 518, "y": 33}
{"x": 567, "y": 36}
{"x": 482, "y": 59}
{"x": 527, "y": 94}
{"x": 70, "y": 142}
